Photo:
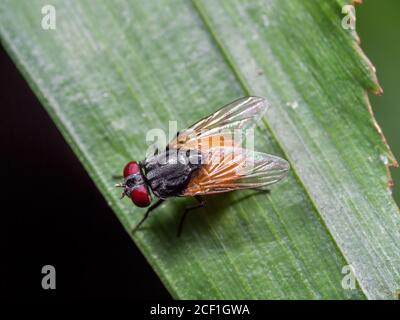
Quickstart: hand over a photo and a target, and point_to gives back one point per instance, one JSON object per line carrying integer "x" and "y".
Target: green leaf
{"x": 111, "y": 71}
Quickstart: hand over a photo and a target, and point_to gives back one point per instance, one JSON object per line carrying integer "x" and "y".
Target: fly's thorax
{"x": 169, "y": 172}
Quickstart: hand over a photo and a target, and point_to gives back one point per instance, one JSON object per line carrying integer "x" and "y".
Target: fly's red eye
{"x": 140, "y": 196}
{"x": 131, "y": 168}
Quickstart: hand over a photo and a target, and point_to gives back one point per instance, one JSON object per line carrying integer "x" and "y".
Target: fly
{"x": 203, "y": 159}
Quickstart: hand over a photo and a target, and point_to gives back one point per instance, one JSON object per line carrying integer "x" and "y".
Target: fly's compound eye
{"x": 140, "y": 196}
{"x": 131, "y": 168}
{"x": 134, "y": 185}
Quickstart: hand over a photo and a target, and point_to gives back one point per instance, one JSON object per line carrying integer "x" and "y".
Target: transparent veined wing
{"x": 230, "y": 168}
{"x": 218, "y": 129}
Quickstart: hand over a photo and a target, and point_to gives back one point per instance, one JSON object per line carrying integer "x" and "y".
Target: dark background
{"x": 378, "y": 25}
{"x": 53, "y": 213}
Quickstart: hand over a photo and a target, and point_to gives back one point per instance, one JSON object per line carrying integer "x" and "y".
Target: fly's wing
{"x": 218, "y": 129}
{"x": 231, "y": 168}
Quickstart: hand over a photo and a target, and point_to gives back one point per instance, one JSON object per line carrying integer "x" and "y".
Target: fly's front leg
{"x": 146, "y": 215}
{"x": 201, "y": 204}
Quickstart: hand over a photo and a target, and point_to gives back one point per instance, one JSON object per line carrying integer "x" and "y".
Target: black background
{"x": 53, "y": 214}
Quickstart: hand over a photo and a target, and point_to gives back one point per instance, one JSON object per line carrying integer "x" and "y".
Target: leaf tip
{"x": 378, "y": 91}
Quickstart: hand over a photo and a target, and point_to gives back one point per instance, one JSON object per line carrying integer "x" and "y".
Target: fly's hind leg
{"x": 201, "y": 204}
{"x": 146, "y": 215}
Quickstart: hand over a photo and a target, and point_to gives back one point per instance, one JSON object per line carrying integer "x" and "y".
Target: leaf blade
{"x": 313, "y": 182}
{"x": 94, "y": 75}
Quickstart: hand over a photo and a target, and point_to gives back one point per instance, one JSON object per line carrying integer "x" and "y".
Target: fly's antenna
{"x": 121, "y": 185}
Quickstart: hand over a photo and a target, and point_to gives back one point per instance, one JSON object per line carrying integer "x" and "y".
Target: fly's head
{"x": 134, "y": 185}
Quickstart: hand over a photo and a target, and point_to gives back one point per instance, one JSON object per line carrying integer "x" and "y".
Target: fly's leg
{"x": 146, "y": 215}
{"x": 201, "y": 204}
